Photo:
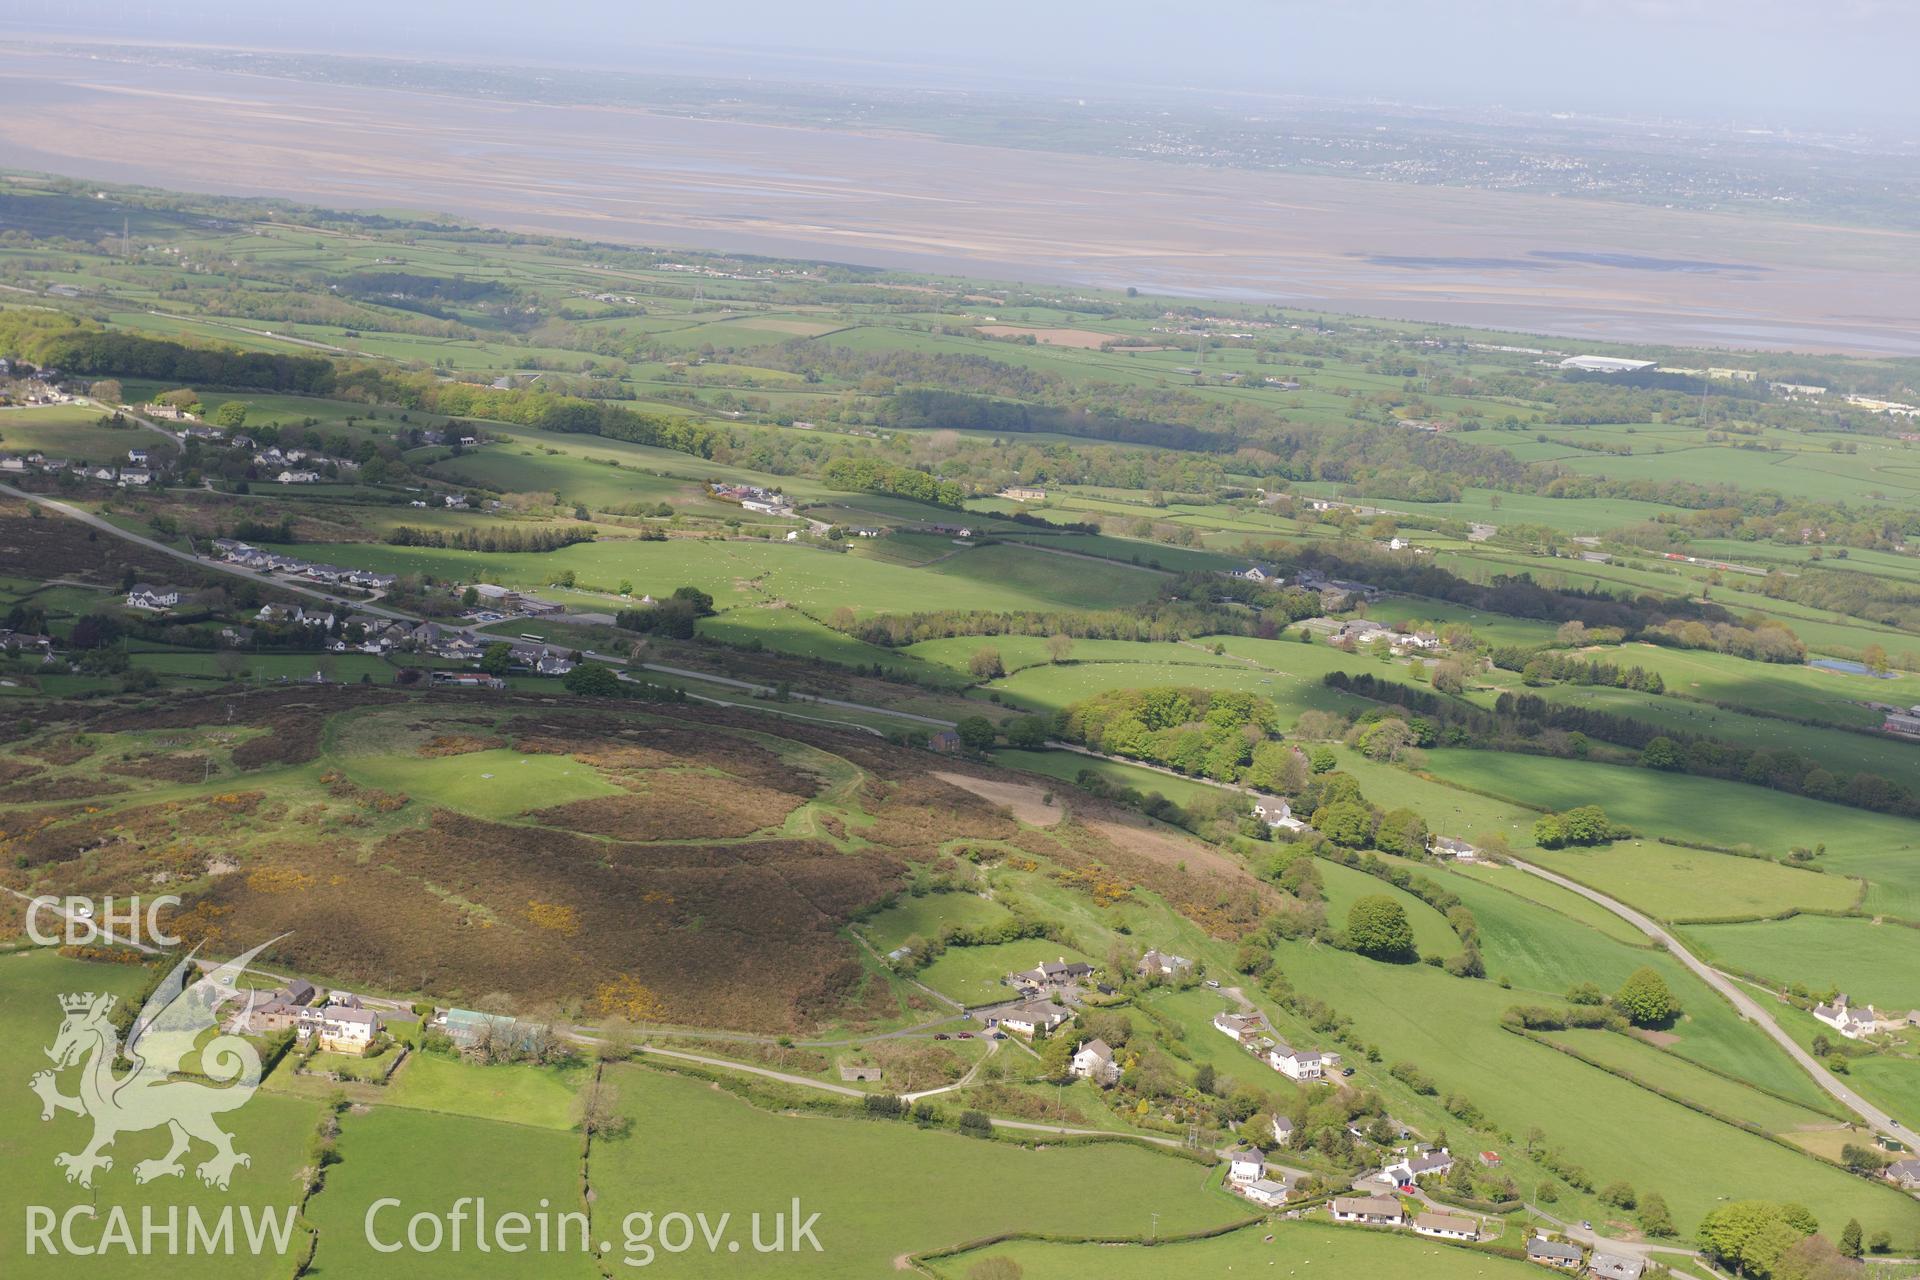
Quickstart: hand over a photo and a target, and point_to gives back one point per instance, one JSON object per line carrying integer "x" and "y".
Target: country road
{"x": 1748, "y": 1007}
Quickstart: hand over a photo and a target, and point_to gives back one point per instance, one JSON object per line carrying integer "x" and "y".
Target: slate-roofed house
{"x": 145, "y": 595}
{"x": 1034, "y": 1017}
{"x": 1382, "y": 1211}
{"x": 1094, "y": 1061}
{"x": 1904, "y": 1174}
{"x": 1413, "y": 1168}
{"x": 1246, "y": 1166}
{"x": 1553, "y": 1253}
{"x": 1615, "y": 1266}
{"x": 1446, "y": 1226}
{"x": 1163, "y": 963}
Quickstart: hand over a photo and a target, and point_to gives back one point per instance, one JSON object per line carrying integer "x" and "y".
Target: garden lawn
{"x": 882, "y": 1189}
{"x": 1874, "y": 963}
{"x": 1295, "y": 1249}
{"x": 538, "y": 1096}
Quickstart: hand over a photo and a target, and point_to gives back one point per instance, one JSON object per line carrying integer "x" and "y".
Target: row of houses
{"x": 1251, "y": 1032}
{"x": 40, "y": 464}
{"x": 236, "y": 552}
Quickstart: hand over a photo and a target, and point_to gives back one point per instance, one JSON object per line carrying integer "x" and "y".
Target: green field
{"x": 538, "y": 1096}
{"x": 1450, "y": 1029}
{"x": 686, "y": 1136}
{"x": 971, "y": 975}
{"x": 1691, "y": 884}
{"x": 1873, "y": 962}
{"x": 1287, "y": 1248}
{"x": 429, "y": 1162}
{"x": 1876, "y": 846}
{"x": 926, "y": 915}
{"x": 1675, "y": 1075}
{"x": 495, "y": 784}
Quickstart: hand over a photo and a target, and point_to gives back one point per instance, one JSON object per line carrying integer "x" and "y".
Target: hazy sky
{"x": 1844, "y": 63}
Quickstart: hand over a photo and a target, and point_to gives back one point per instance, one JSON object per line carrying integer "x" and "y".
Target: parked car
{"x": 963, "y": 1035}
{"x": 1346, "y": 1071}
{"x": 941, "y": 1035}
{"x": 1214, "y": 983}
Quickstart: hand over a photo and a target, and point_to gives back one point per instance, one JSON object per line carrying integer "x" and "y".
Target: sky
{"x": 1827, "y": 64}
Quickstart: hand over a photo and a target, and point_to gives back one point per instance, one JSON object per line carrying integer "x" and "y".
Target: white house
{"x": 1239, "y": 1026}
{"x": 342, "y": 1028}
{"x": 298, "y": 477}
{"x": 138, "y": 457}
{"x": 1246, "y": 1166}
{"x": 1295, "y": 1064}
{"x": 1382, "y": 1211}
{"x": 1854, "y": 1024}
{"x": 1094, "y": 1061}
{"x": 1277, "y": 813}
{"x": 1446, "y": 1226}
{"x": 1283, "y": 1131}
{"x": 144, "y": 595}
{"x": 135, "y": 476}
{"x": 1411, "y": 1169}
{"x": 1453, "y": 847}
{"x": 1265, "y": 1191}
{"x": 1035, "y": 1017}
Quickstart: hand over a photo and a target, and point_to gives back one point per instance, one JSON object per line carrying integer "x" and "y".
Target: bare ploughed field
{"x": 899, "y": 200}
{"x": 1025, "y": 801}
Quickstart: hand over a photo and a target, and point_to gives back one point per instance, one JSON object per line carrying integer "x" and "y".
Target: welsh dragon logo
{"x": 163, "y": 1039}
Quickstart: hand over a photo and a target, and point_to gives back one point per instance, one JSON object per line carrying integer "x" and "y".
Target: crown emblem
{"x": 81, "y": 1001}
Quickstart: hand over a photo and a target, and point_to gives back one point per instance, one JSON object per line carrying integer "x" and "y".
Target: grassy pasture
{"x": 541, "y": 1097}
{"x": 72, "y": 431}
{"x": 1874, "y": 962}
{"x": 687, "y": 1138}
{"x": 1301, "y": 1248}
{"x": 927, "y": 914}
{"x": 1345, "y": 886}
{"x": 1677, "y": 1076}
{"x": 1450, "y": 1028}
{"x": 1679, "y": 883}
{"x": 971, "y": 975}
{"x": 1702, "y": 809}
{"x": 429, "y": 1162}
{"x": 491, "y": 784}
